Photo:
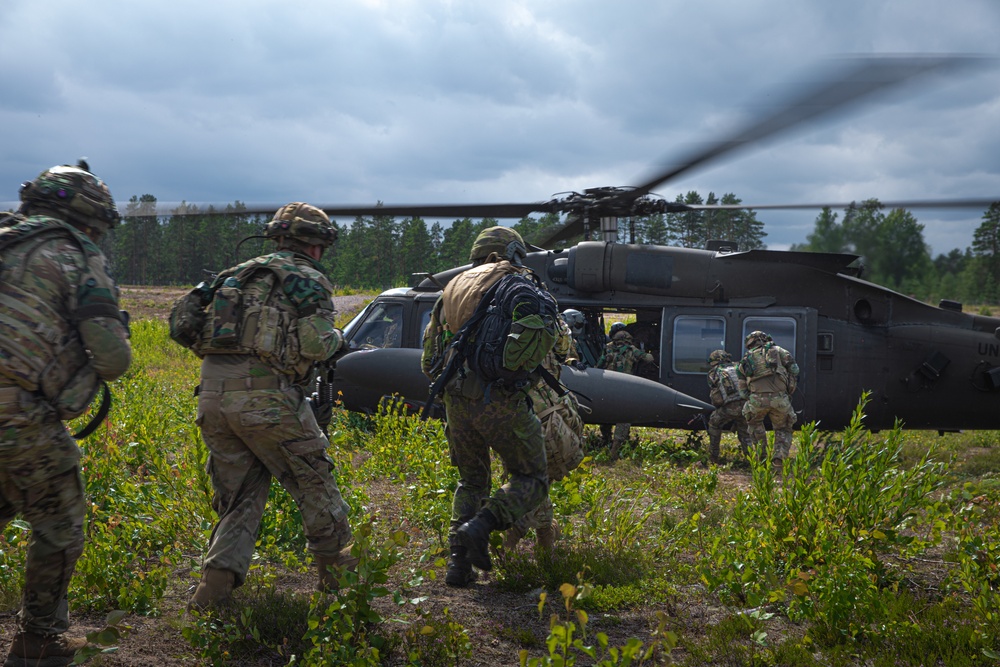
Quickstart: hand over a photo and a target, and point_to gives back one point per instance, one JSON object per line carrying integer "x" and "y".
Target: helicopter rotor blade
{"x": 978, "y": 203}
{"x": 858, "y": 78}
{"x": 512, "y": 210}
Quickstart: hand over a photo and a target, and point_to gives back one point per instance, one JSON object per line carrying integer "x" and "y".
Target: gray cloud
{"x": 435, "y": 101}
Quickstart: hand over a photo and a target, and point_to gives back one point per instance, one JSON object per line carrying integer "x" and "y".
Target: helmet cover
{"x": 73, "y": 193}
{"x": 302, "y": 222}
{"x": 503, "y": 241}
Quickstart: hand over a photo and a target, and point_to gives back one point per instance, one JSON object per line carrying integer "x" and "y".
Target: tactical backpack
{"x": 507, "y": 337}
{"x": 728, "y": 382}
{"x": 517, "y": 331}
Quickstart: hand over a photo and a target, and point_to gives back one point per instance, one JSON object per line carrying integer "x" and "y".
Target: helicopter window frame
{"x": 770, "y": 325}
{"x": 690, "y": 347}
{"x": 379, "y": 319}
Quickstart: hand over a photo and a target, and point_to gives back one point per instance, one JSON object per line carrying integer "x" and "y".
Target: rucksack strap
{"x": 102, "y": 413}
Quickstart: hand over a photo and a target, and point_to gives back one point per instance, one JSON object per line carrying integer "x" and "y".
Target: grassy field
{"x": 866, "y": 549}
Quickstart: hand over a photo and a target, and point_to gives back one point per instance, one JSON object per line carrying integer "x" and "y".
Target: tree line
{"x": 377, "y": 252}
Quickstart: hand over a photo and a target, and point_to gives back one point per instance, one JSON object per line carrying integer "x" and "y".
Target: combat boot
{"x": 31, "y": 650}
{"x": 546, "y": 535}
{"x": 474, "y": 535}
{"x": 460, "y": 573}
{"x": 214, "y": 590}
{"x": 329, "y": 569}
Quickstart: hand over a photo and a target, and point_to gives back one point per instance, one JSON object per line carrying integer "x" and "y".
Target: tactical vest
{"x": 247, "y": 315}
{"x": 40, "y": 350}
{"x": 764, "y": 371}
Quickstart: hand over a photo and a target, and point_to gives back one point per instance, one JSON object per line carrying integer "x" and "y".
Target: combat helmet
{"x": 615, "y": 328}
{"x": 503, "y": 242}
{"x": 756, "y": 339}
{"x": 622, "y": 336}
{"x": 73, "y": 194}
{"x": 575, "y": 320}
{"x": 303, "y": 223}
{"x": 719, "y": 357}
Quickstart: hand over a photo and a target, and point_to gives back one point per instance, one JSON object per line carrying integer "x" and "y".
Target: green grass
{"x": 884, "y": 551}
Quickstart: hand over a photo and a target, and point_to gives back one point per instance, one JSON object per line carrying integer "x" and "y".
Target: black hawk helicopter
{"x": 930, "y": 367}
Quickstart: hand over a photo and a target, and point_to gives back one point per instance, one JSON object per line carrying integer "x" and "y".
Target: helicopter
{"x": 924, "y": 366}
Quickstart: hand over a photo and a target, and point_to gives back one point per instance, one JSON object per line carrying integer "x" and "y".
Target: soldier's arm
{"x": 433, "y": 346}
{"x": 99, "y": 322}
{"x": 311, "y": 294}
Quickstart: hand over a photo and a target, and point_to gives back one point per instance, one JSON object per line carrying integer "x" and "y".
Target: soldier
{"x": 562, "y": 427}
{"x": 622, "y": 356}
{"x": 63, "y": 335}
{"x": 504, "y": 423}
{"x": 271, "y": 319}
{"x": 767, "y": 378}
{"x": 587, "y": 350}
{"x": 723, "y": 386}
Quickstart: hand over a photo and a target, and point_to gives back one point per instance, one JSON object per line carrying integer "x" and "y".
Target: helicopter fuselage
{"x": 928, "y": 367}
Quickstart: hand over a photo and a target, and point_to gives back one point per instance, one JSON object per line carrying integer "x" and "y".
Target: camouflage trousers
{"x": 778, "y": 406}
{"x": 621, "y": 433}
{"x": 730, "y": 413}
{"x": 40, "y": 480}
{"x": 252, "y": 436}
{"x": 506, "y": 425}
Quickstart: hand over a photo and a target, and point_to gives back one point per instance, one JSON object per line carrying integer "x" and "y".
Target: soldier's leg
{"x": 783, "y": 419}
{"x": 545, "y": 525}
{"x": 606, "y": 431}
{"x": 755, "y": 414}
{"x": 621, "y": 437}
{"x": 55, "y": 509}
{"x": 715, "y": 423}
{"x": 743, "y": 434}
{"x": 295, "y": 452}
{"x": 518, "y": 440}
{"x": 471, "y": 455}
{"x": 240, "y": 481}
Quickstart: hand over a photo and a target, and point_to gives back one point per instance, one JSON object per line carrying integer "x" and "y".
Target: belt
{"x": 242, "y": 384}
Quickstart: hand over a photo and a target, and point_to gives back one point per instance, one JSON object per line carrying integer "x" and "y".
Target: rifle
{"x": 323, "y": 398}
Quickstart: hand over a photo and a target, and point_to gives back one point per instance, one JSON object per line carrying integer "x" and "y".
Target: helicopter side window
{"x": 782, "y": 330}
{"x": 382, "y": 327}
{"x": 695, "y": 338}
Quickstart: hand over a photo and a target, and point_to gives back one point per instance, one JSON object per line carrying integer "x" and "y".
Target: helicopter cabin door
{"x": 690, "y": 334}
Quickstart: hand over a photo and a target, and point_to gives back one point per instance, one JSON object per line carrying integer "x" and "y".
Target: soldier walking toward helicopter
{"x": 768, "y": 376}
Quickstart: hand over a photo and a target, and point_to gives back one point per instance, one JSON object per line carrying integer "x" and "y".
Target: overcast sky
{"x": 436, "y": 101}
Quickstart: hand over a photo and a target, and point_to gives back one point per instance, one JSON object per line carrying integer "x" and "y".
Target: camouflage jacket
{"x": 277, "y": 308}
{"x": 62, "y": 329}
{"x": 622, "y": 356}
{"x": 768, "y": 368}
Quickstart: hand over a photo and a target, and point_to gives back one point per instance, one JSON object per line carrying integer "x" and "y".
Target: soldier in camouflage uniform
{"x": 767, "y": 378}
{"x": 723, "y": 387}
{"x": 504, "y": 423}
{"x": 622, "y": 356}
{"x": 271, "y": 319}
{"x": 562, "y": 427}
{"x": 62, "y": 335}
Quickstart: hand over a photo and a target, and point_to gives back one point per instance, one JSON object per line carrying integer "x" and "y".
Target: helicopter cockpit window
{"x": 382, "y": 327}
{"x": 782, "y": 330}
{"x": 695, "y": 338}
